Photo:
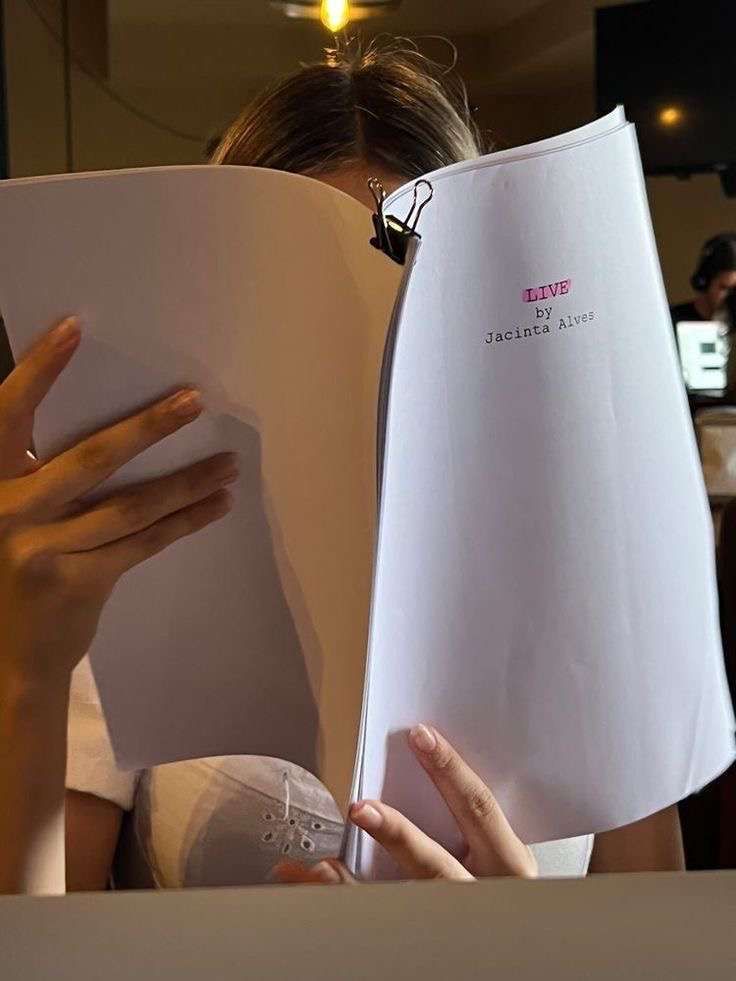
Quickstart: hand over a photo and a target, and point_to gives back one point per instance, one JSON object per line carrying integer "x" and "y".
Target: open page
{"x": 261, "y": 288}
{"x": 545, "y": 588}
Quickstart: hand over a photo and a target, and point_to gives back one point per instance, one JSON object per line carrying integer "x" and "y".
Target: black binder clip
{"x": 393, "y": 235}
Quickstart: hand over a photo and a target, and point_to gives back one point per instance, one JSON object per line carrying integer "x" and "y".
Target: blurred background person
{"x": 714, "y": 283}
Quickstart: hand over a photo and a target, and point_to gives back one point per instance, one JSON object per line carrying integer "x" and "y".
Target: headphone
{"x": 710, "y": 262}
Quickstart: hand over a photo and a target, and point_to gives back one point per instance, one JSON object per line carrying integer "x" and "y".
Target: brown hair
{"x": 386, "y": 105}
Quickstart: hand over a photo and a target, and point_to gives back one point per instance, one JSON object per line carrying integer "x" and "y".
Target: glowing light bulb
{"x": 671, "y": 116}
{"x": 335, "y": 14}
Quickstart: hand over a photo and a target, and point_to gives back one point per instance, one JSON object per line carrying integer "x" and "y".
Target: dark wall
{"x": 6, "y": 358}
{"x": 3, "y": 102}
{"x": 6, "y": 361}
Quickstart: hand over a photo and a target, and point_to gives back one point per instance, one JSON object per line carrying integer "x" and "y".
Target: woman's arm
{"x": 92, "y": 830}
{"x": 33, "y": 719}
{"x": 651, "y": 845}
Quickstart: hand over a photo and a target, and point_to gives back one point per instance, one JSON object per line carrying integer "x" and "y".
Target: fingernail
{"x": 283, "y": 871}
{"x": 423, "y": 738}
{"x": 185, "y": 404}
{"x": 326, "y": 873}
{"x": 224, "y": 503}
{"x": 229, "y": 471}
{"x": 366, "y": 816}
{"x": 67, "y": 333}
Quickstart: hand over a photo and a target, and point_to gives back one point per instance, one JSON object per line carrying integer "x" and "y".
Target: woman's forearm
{"x": 651, "y": 845}
{"x": 33, "y": 727}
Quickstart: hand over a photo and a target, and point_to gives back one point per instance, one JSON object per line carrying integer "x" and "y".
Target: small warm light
{"x": 335, "y": 14}
{"x": 671, "y": 116}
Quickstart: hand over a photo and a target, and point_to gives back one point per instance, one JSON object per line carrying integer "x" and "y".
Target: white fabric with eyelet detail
{"x": 228, "y": 820}
{"x": 90, "y": 762}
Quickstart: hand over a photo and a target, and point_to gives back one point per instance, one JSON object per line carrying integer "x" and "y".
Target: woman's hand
{"x": 492, "y": 848}
{"x": 61, "y": 557}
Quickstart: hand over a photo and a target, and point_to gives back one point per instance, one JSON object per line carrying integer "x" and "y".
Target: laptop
{"x": 703, "y": 347}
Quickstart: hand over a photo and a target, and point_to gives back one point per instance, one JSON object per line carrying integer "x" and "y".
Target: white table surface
{"x": 605, "y": 927}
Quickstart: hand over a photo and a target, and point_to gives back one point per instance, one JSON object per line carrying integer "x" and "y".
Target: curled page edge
{"x": 615, "y": 120}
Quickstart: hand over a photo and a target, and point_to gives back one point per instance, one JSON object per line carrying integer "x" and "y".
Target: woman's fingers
{"x": 25, "y": 388}
{"x": 413, "y": 851}
{"x": 141, "y": 506}
{"x": 117, "y": 558}
{"x": 81, "y": 468}
{"x": 494, "y": 846}
{"x": 328, "y": 872}
{"x": 30, "y": 381}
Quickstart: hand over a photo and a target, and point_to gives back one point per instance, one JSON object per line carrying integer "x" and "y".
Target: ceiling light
{"x": 671, "y": 116}
{"x": 335, "y": 14}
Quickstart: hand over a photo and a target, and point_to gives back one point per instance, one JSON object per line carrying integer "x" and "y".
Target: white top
{"x": 222, "y": 821}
